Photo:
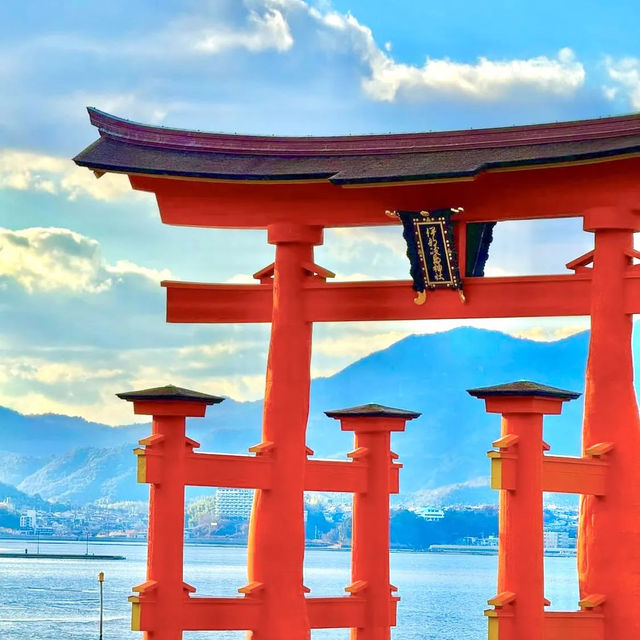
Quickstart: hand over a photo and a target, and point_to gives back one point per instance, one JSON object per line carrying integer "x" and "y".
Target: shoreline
{"x": 433, "y": 549}
{"x": 61, "y": 556}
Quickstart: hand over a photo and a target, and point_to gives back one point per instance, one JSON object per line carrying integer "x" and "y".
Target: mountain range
{"x": 70, "y": 460}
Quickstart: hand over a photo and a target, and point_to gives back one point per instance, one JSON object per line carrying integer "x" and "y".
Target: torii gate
{"x": 296, "y": 187}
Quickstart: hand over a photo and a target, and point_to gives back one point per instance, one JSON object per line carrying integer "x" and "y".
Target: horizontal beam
{"x": 529, "y": 296}
{"x": 585, "y": 476}
{"x": 512, "y": 297}
{"x": 337, "y": 612}
{"x": 220, "y": 303}
{"x": 335, "y": 475}
{"x": 224, "y": 470}
{"x": 561, "y": 625}
{"x": 560, "y": 474}
{"x": 210, "y": 470}
{"x": 557, "y": 625}
{"x": 254, "y": 472}
{"x": 533, "y": 192}
{"x": 221, "y": 614}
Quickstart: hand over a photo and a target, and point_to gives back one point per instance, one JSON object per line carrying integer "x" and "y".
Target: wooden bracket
{"x": 356, "y": 587}
{"x": 592, "y": 601}
{"x": 265, "y": 275}
{"x": 579, "y": 265}
{"x": 316, "y": 270}
{"x": 358, "y": 453}
{"x": 505, "y": 442}
{"x": 597, "y": 450}
{"x": 252, "y": 588}
{"x": 149, "y": 441}
{"x": 501, "y": 599}
{"x": 262, "y": 448}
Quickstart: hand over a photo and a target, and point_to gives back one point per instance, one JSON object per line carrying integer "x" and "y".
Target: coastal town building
{"x": 28, "y": 519}
{"x": 430, "y": 514}
{"x": 233, "y": 503}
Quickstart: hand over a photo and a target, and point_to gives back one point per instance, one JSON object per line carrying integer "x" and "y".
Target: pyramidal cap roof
{"x": 169, "y": 392}
{"x": 523, "y": 388}
{"x": 130, "y": 147}
{"x": 372, "y": 411}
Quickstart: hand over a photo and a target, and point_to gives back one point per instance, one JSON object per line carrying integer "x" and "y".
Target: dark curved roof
{"x": 130, "y": 147}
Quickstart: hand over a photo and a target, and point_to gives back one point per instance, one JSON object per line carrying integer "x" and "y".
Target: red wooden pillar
{"x": 372, "y": 425}
{"x": 521, "y": 536}
{"x": 169, "y": 407}
{"x": 609, "y": 527}
{"x": 276, "y": 533}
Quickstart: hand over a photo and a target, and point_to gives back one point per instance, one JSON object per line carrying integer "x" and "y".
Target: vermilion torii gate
{"x": 296, "y": 187}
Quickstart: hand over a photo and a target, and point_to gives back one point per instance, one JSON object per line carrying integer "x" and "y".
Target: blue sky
{"x": 81, "y": 311}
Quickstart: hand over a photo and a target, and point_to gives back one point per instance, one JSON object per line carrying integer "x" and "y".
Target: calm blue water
{"x": 443, "y": 596}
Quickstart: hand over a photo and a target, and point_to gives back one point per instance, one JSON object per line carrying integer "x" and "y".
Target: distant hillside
{"x": 443, "y": 451}
{"x": 83, "y": 475}
{"x": 14, "y": 467}
{"x": 22, "y": 500}
{"x": 51, "y": 434}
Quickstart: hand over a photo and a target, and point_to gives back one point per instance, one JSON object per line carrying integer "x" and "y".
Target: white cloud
{"x": 268, "y": 30}
{"x": 28, "y": 171}
{"x": 280, "y": 25}
{"x": 45, "y": 385}
{"x": 550, "y": 333}
{"x": 136, "y": 107}
{"x": 253, "y": 25}
{"x": 42, "y": 259}
{"x": 485, "y": 80}
{"x": 241, "y": 278}
{"x": 625, "y": 72}
{"x": 353, "y": 346}
{"x": 39, "y": 370}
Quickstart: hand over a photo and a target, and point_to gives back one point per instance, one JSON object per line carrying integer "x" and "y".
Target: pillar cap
{"x": 523, "y": 389}
{"x": 170, "y": 393}
{"x": 372, "y": 411}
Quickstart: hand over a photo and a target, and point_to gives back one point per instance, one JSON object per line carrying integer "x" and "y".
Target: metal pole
{"x": 100, "y": 582}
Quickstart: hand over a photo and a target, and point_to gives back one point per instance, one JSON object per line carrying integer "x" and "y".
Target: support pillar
{"x": 276, "y": 533}
{"x": 520, "y": 518}
{"x": 164, "y": 588}
{"x": 372, "y": 425}
{"x": 609, "y": 526}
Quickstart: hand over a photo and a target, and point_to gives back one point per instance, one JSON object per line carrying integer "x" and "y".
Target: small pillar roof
{"x": 170, "y": 392}
{"x": 372, "y": 411}
{"x": 523, "y": 388}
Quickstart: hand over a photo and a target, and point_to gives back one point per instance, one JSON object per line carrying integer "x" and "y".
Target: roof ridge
{"x": 127, "y": 131}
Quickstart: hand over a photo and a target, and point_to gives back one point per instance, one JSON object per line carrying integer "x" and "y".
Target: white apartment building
{"x": 233, "y": 503}
{"x": 28, "y": 519}
{"x": 431, "y": 514}
{"x": 558, "y": 540}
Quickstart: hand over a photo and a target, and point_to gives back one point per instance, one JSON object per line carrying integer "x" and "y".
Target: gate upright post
{"x": 609, "y": 527}
{"x": 276, "y": 530}
{"x": 372, "y": 425}
{"x": 169, "y": 406}
{"x": 520, "y": 517}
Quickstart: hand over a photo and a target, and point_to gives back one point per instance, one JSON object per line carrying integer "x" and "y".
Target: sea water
{"x": 443, "y": 595}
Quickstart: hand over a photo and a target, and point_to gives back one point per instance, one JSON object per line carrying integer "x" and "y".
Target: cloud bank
{"x": 24, "y": 170}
